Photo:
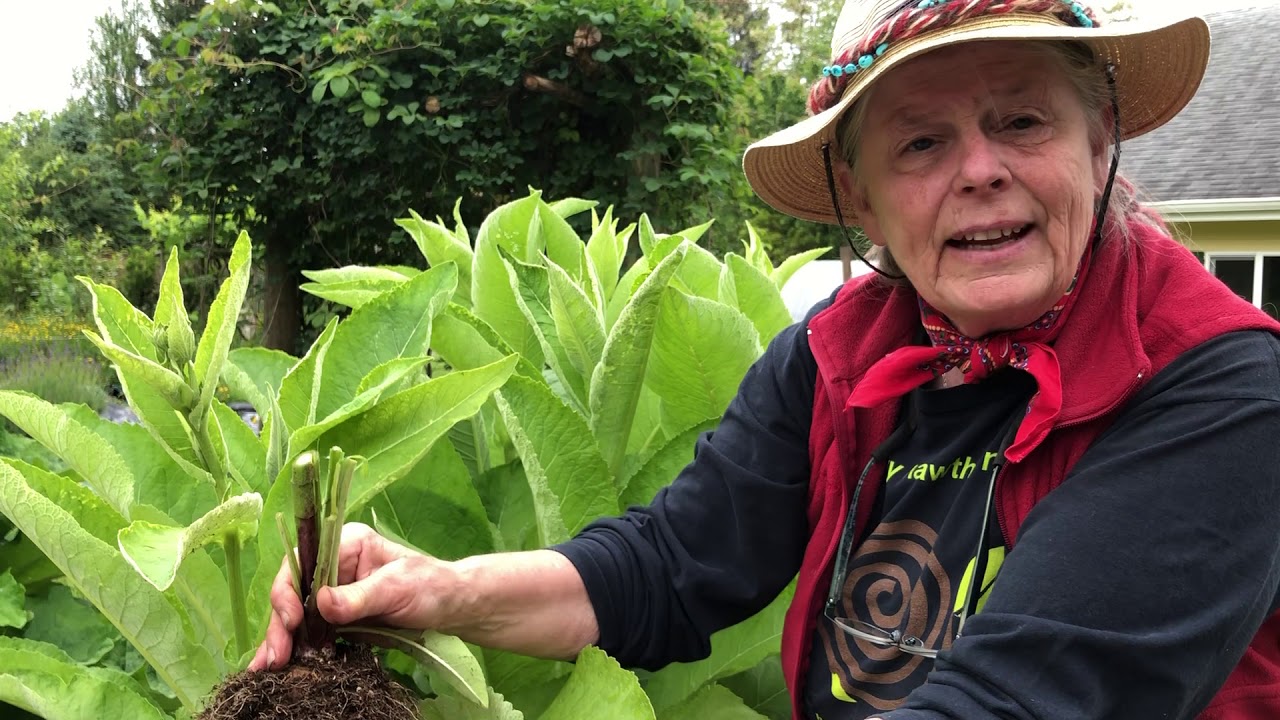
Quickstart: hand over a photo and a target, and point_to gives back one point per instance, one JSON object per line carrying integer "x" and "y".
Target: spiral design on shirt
{"x": 895, "y": 582}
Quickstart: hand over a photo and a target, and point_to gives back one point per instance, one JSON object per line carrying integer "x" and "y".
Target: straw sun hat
{"x": 1157, "y": 67}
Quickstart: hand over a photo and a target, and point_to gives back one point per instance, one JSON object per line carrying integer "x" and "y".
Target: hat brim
{"x": 1158, "y": 68}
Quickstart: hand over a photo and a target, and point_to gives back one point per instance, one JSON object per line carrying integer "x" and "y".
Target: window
{"x": 1253, "y": 276}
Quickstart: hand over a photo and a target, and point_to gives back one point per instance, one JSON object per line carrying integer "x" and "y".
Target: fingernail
{"x": 271, "y": 658}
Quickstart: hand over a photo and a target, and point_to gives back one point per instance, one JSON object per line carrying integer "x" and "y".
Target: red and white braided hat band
{"x": 1158, "y": 66}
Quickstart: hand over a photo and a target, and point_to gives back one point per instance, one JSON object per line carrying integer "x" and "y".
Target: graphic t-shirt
{"x": 911, "y": 573}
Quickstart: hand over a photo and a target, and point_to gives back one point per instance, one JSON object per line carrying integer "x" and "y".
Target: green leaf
{"x": 693, "y": 234}
{"x": 733, "y": 650}
{"x": 340, "y": 85}
{"x": 40, "y": 678}
{"x": 627, "y": 286}
{"x": 757, "y": 297}
{"x": 602, "y": 251}
{"x": 241, "y": 387}
{"x": 156, "y": 551}
{"x": 352, "y": 288}
{"x": 448, "y": 656}
{"x": 578, "y": 324}
{"x": 143, "y": 615}
{"x": 266, "y": 367}
{"x": 171, "y": 313}
{"x": 435, "y": 508}
{"x": 568, "y": 207}
{"x": 439, "y": 245}
{"x": 616, "y": 383}
{"x": 371, "y": 117}
{"x": 701, "y": 350}
{"x": 392, "y": 326}
{"x": 13, "y": 602}
{"x": 380, "y": 380}
{"x": 599, "y": 687}
{"x": 570, "y": 481}
{"x": 317, "y": 92}
{"x": 467, "y": 342}
{"x": 397, "y": 433}
{"x": 447, "y": 707}
{"x": 76, "y": 627}
{"x": 762, "y": 688}
{"x": 246, "y": 456}
{"x": 534, "y": 298}
{"x": 119, "y": 322}
{"x": 563, "y": 246}
{"x": 493, "y": 289}
{"x": 794, "y": 263}
{"x": 371, "y": 97}
{"x": 756, "y": 254}
{"x": 300, "y": 389}
{"x": 648, "y": 238}
{"x": 662, "y": 466}
{"x": 529, "y": 683}
{"x": 160, "y": 379}
{"x": 700, "y": 273}
{"x": 508, "y": 501}
{"x": 713, "y": 702}
{"x": 89, "y": 455}
{"x": 220, "y": 326}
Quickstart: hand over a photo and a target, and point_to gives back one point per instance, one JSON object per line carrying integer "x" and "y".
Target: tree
{"x": 332, "y": 117}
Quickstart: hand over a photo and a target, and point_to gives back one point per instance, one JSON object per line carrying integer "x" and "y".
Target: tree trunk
{"x": 282, "y": 309}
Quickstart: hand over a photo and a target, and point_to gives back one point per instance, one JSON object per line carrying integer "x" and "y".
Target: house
{"x": 1213, "y": 171}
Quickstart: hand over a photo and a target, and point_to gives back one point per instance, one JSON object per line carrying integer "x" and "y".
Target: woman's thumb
{"x": 347, "y": 604}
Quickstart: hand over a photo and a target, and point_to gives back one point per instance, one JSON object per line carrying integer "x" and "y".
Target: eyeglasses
{"x": 879, "y": 636}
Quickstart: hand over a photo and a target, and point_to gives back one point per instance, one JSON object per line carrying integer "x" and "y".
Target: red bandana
{"x": 1027, "y": 348}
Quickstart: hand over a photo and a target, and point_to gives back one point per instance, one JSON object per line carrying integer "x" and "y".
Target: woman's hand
{"x": 379, "y": 582}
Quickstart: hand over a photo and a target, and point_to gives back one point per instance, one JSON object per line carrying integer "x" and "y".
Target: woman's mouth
{"x": 990, "y": 239}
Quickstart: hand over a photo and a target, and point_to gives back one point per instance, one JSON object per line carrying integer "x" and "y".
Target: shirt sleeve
{"x": 724, "y": 538}
{"x": 1135, "y": 588}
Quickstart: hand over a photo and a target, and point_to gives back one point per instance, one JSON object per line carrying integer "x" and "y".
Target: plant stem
{"x": 235, "y": 585}
{"x": 212, "y": 462}
{"x": 313, "y": 630}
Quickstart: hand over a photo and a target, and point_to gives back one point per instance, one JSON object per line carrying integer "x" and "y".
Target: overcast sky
{"x": 42, "y": 42}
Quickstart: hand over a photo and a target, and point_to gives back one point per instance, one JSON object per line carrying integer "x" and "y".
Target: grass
{"x": 50, "y": 358}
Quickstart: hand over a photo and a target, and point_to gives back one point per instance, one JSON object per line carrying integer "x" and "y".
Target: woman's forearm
{"x": 533, "y": 603}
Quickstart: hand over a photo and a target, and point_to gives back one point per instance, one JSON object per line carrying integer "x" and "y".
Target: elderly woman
{"x": 1027, "y": 471}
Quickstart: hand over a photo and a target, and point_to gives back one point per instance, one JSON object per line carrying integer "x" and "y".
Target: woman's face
{"x": 975, "y": 168}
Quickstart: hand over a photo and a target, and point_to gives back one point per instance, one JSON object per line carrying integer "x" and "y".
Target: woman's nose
{"x": 982, "y": 168}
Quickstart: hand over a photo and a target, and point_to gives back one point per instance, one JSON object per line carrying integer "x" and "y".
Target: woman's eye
{"x": 1021, "y": 122}
{"x": 920, "y": 145}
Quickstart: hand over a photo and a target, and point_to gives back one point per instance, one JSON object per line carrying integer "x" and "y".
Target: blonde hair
{"x": 1089, "y": 80}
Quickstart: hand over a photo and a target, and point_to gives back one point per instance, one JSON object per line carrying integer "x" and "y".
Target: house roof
{"x": 1226, "y": 143}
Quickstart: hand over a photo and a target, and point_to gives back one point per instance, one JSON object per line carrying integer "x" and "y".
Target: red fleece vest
{"x": 1144, "y": 304}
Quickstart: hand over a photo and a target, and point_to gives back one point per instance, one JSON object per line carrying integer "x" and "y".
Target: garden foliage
{"x": 563, "y": 386}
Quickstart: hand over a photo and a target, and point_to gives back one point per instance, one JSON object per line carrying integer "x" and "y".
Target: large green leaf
{"x": 466, "y": 342}
{"x": 568, "y": 207}
{"x": 440, "y": 246}
{"x": 530, "y": 683}
{"x": 300, "y": 388}
{"x": 246, "y": 455}
{"x": 625, "y": 289}
{"x": 171, "y": 315}
{"x": 397, "y": 433}
{"x": 756, "y": 295}
{"x": 789, "y": 266}
{"x": 579, "y": 324}
{"x": 602, "y": 251}
{"x": 13, "y": 601}
{"x": 91, "y": 456}
{"x": 599, "y": 688}
{"x": 76, "y": 627}
{"x": 241, "y": 387}
{"x": 159, "y": 378}
{"x": 616, "y": 383}
{"x": 119, "y": 322}
{"x": 755, "y": 252}
{"x": 142, "y": 614}
{"x": 508, "y": 502}
{"x": 379, "y": 381}
{"x": 713, "y": 702}
{"x": 396, "y": 324}
{"x": 355, "y": 285}
{"x": 733, "y": 650}
{"x": 447, "y": 656}
{"x": 436, "y": 508}
{"x": 493, "y": 290}
{"x": 701, "y": 350}
{"x": 661, "y": 467}
{"x": 448, "y": 707}
{"x": 220, "y": 326}
{"x": 534, "y": 297}
{"x": 156, "y": 551}
{"x": 700, "y": 273}
{"x": 42, "y": 679}
{"x": 763, "y": 688}
{"x": 563, "y": 246}
{"x": 264, "y": 366}
{"x": 571, "y": 483}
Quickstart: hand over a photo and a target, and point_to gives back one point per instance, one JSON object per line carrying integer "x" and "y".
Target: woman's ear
{"x": 854, "y": 196}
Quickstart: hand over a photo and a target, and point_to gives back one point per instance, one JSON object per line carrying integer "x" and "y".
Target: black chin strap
{"x": 1101, "y": 219}
{"x": 835, "y": 205}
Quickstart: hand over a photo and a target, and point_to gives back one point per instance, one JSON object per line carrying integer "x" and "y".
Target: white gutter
{"x": 1221, "y": 210}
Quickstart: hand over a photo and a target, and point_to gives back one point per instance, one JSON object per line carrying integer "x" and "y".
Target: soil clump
{"x": 346, "y": 684}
